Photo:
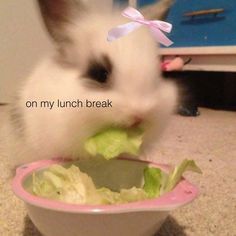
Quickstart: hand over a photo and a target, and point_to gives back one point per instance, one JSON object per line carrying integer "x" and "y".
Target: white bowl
{"x": 143, "y": 218}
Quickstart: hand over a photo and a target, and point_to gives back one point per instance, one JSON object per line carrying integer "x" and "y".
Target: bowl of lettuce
{"x": 104, "y": 195}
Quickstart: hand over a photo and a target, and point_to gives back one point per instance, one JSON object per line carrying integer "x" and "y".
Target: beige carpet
{"x": 210, "y": 139}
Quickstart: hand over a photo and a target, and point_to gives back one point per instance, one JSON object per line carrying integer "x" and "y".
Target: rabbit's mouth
{"x": 137, "y": 121}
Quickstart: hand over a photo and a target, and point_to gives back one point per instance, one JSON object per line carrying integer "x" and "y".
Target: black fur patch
{"x": 100, "y": 70}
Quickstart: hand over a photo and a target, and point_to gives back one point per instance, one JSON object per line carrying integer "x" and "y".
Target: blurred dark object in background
{"x": 216, "y": 90}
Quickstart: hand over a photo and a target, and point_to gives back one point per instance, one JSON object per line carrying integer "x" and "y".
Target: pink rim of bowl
{"x": 182, "y": 194}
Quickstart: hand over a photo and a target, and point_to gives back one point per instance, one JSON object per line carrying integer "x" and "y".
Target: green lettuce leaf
{"x": 157, "y": 182}
{"x": 152, "y": 181}
{"x": 112, "y": 142}
{"x": 176, "y": 174}
{"x": 69, "y": 185}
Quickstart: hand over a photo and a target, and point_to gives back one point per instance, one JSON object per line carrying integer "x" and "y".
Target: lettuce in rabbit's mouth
{"x": 114, "y": 141}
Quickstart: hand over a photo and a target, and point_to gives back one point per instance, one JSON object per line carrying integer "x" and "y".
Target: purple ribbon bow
{"x": 156, "y": 27}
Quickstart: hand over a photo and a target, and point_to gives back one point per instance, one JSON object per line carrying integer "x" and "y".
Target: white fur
{"x": 136, "y": 90}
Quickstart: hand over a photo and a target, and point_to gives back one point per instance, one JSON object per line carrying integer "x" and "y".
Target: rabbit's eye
{"x": 99, "y": 71}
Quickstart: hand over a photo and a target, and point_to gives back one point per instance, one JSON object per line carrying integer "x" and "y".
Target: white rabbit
{"x": 87, "y": 66}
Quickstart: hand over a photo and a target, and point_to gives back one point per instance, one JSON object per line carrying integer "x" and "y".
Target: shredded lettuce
{"x": 124, "y": 196}
{"x": 73, "y": 186}
{"x": 114, "y": 141}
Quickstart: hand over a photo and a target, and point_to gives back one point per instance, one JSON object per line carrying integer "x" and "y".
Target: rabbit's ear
{"x": 57, "y": 14}
{"x": 157, "y": 10}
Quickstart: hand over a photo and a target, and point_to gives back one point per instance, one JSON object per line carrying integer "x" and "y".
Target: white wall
{"x": 23, "y": 41}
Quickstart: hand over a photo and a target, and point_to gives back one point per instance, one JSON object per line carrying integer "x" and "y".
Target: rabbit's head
{"x": 88, "y": 67}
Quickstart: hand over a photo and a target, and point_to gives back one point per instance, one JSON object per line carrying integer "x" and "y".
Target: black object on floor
{"x": 188, "y": 110}
{"x": 215, "y": 90}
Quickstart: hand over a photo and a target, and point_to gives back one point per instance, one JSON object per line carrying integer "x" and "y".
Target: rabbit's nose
{"x": 136, "y": 121}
